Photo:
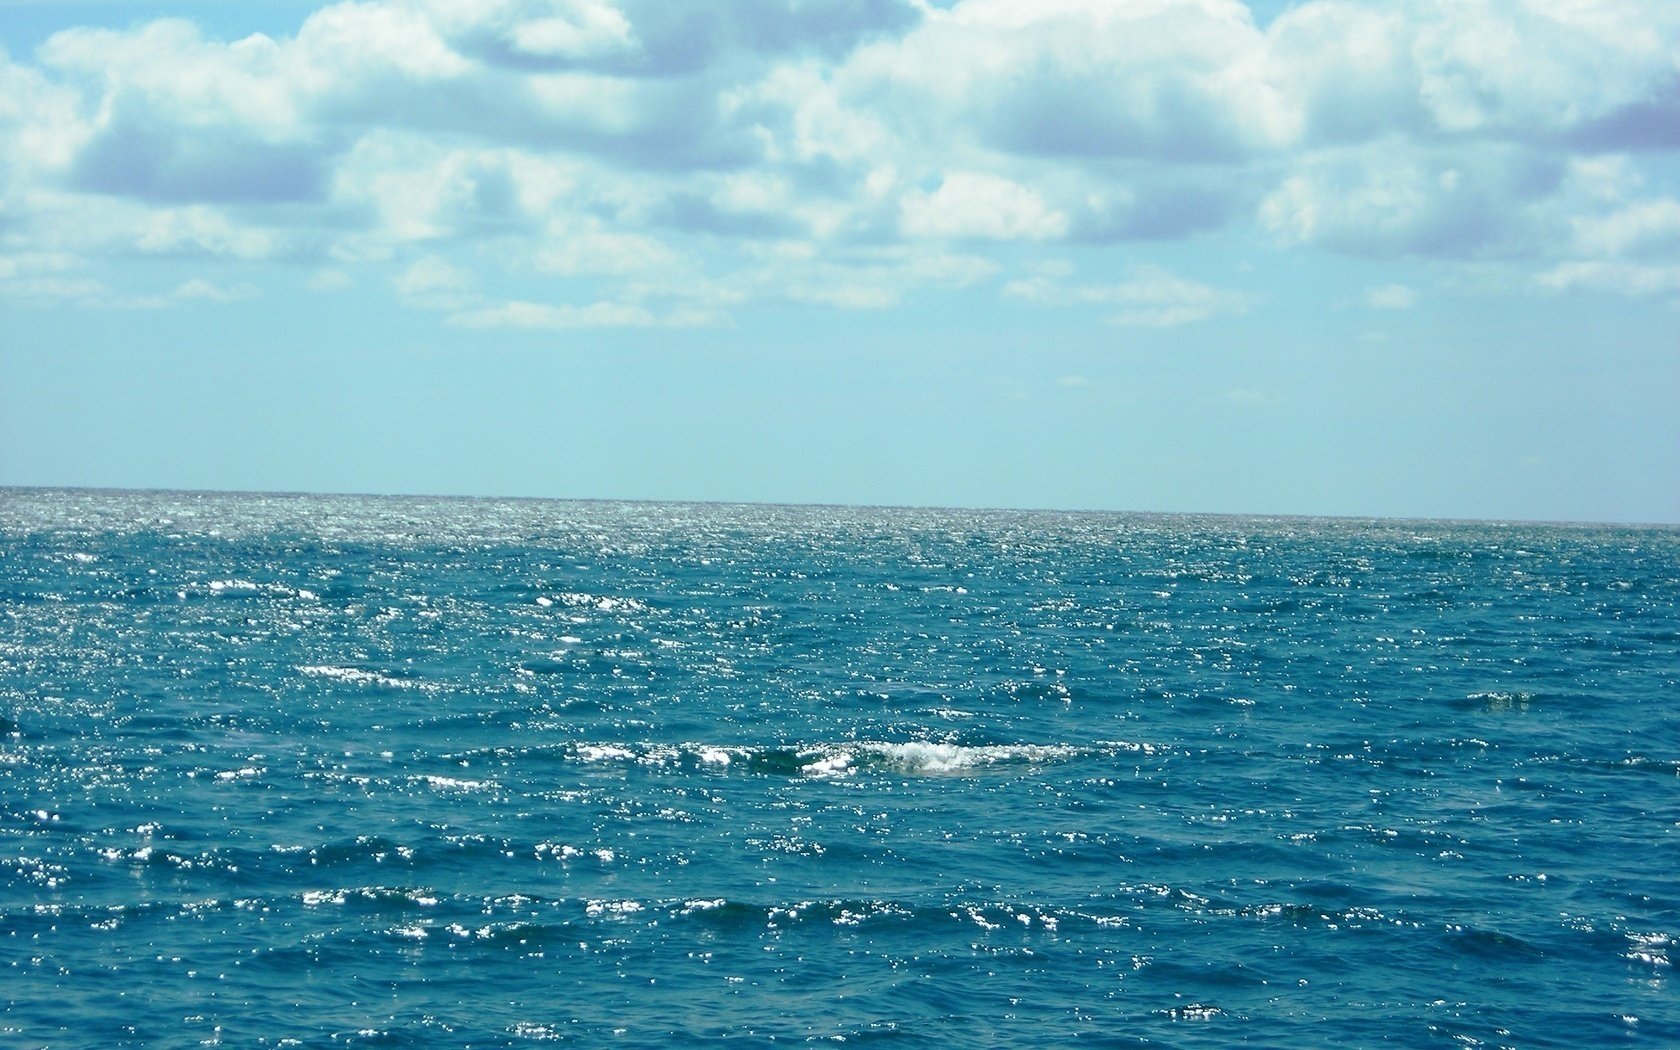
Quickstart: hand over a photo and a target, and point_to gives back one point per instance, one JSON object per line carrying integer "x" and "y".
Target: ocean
{"x": 323, "y": 771}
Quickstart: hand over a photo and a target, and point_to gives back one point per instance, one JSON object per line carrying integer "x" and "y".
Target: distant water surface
{"x": 339, "y": 771}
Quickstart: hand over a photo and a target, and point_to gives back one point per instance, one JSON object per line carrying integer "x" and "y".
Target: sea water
{"x": 343, "y": 771}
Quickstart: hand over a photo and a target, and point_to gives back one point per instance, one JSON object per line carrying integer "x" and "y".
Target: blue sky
{"x": 1325, "y": 257}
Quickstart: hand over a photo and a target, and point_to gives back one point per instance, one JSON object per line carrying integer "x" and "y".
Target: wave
{"x": 819, "y": 760}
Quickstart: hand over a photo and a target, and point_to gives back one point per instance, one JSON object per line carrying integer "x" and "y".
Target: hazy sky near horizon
{"x": 1322, "y": 257}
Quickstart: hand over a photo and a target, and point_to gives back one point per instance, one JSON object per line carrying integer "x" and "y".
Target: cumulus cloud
{"x": 858, "y": 279}
{"x": 431, "y": 276}
{"x": 1621, "y": 278}
{"x": 841, "y": 152}
{"x": 201, "y": 289}
{"x": 973, "y": 204}
{"x": 329, "y": 279}
{"x": 1390, "y": 297}
{"x": 1149, "y": 296}
{"x": 45, "y": 280}
{"x": 1642, "y": 227}
{"x": 1393, "y": 199}
{"x": 591, "y": 251}
{"x": 521, "y": 314}
{"x": 1177, "y": 79}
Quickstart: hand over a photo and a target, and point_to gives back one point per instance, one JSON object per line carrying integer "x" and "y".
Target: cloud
{"x": 1389, "y": 199}
{"x": 1077, "y": 79}
{"x": 198, "y": 230}
{"x": 863, "y": 279}
{"x": 540, "y": 36}
{"x": 1149, "y": 296}
{"x": 133, "y": 158}
{"x": 519, "y": 314}
{"x": 594, "y": 251}
{"x": 1348, "y": 71}
{"x": 652, "y": 38}
{"x": 433, "y": 281}
{"x": 1390, "y": 297}
{"x": 1620, "y": 278}
{"x": 1643, "y": 227}
{"x": 1542, "y": 70}
{"x": 836, "y": 152}
{"x": 971, "y": 204}
{"x": 171, "y": 117}
{"x": 330, "y": 280}
{"x": 48, "y": 279}
{"x": 41, "y": 127}
{"x": 1617, "y": 239}
{"x": 198, "y": 288}
{"x": 48, "y": 288}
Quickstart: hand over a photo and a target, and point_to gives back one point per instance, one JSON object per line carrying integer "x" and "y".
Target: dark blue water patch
{"x": 410, "y": 772}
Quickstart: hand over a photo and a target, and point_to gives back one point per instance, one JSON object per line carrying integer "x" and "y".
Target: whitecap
{"x": 457, "y": 784}
{"x": 356, "y": 675}
{"x": 615, "y": 909}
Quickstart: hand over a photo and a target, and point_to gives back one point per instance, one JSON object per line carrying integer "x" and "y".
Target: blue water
{"x": 328, "y": 771}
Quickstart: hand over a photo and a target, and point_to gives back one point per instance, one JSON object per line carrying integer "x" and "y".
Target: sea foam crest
{"x": 916, "y": 758}
{"x": 357, "y": 676}
{"x": 931, "y": 759}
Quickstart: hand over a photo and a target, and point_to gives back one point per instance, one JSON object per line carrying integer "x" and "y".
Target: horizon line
{"x": 818, "y": 504}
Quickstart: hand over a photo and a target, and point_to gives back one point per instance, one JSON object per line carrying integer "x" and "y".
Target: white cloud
{"x": 167, "y": 72}
{"x": 1642, "y": 227}
{"x": 1347, "y": 69}
{"x": 330, "y": 280}
{"x": 801, "y": 114}
{"x": 1621, "y": 278}
{"x": 592, "y": 251}
{"x": 865, "y": 280}
{"x": 1391, "y": 297}
{"x": 48, "y": 288}
{"x": 41, "y": 125}
{"x": 35, "y": 263}
{"x": 972, "y": 204}
{"x": 198, "y": 230}
{"x": 1174, "y": 79}
{"x": 198, "y": 288}
{"x": 45, "y": 280}
{"x": 432, "y": 279}
{"x": 396, "y": 36}
{"x": 577, "y": 30}
{"x": 1150, "y": 296}
{"x": 528, "y": 315}
{"x": 659, "y": 149}
{"x": 1389, "y": 199}
{"x": 1540, "y": 68}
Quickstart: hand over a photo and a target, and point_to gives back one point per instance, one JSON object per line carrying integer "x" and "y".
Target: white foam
{"x": 926, "y": 758}
{"x": 597, "y": 602}
{"x": 356, "y": 675}
{"x": 835, "y": 765}
{"x": 457, "y": 784}
{"x": 616, "y": 909}
{"x": 711, "y": 904}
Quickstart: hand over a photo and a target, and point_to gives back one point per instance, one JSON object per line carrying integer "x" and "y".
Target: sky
{"x": 1414, "y": 259}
